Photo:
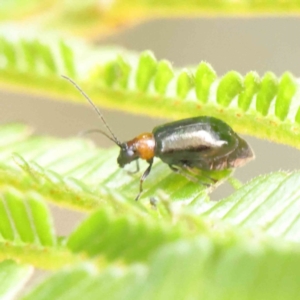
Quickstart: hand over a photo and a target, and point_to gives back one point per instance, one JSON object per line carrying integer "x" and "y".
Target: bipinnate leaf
{"x": 25, "y": 217}
{"x": 68, "y": 59}
{"x": 121, "y": 237}
{"x": 204, "y": 78}
{"x": 286, "y": 91}
{"x": 74, "y": 173}
{"x": 139, "y": 83}
{"x": 230, "y": 86}
{"x": 267, "y": 203}
{"x": 163, "y": 76}
{"x": 251, "y": 87}
{"x": 145, "y": 70}
{"x": 200, "y": 268}
{"x": 86, "y": 281}
{"x": 227, "y": 270}
{"x": 184, "y": 84}
{"x": 234, "y": 250}
{"x": 27, "y": 231}
{"x": 266, "y": 93}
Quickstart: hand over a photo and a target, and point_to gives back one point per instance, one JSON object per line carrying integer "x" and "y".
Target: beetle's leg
{"x": 193, "y": 171}
{"x": 144, "y": 176}
{"x": 186, "y": 175}
{"x": 235, "y": 183}
{"x": 137, "y": 168}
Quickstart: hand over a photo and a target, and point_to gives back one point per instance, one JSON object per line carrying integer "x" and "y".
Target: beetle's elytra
{"x": 203, "y": 143}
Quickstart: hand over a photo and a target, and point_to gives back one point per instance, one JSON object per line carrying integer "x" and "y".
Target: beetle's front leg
{"x": 144, "y": 176}
{"x": 137, "y": 168}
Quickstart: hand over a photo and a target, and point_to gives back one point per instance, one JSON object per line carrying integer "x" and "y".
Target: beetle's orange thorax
{"x": 144, "y": 144}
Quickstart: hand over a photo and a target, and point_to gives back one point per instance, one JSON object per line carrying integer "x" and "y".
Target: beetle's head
{"x": 127, "y": 154}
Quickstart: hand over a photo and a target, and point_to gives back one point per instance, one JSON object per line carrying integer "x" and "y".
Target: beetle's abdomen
{"x": 202, "y": 142}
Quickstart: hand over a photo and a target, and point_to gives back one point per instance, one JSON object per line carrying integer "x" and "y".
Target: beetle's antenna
{"x": 84, "y": 132}
{"x": 114, "y": 138}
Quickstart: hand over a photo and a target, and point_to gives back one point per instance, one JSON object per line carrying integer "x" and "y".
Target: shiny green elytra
{"x": 201, "y": 143}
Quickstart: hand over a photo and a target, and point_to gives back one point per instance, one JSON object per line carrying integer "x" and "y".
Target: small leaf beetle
{"x": 203, "y": 143}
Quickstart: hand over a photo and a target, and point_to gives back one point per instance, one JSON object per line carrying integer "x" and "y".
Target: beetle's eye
{"x": 130, "y": 152}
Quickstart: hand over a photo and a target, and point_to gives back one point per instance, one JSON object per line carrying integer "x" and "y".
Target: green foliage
{"x": 84, "y": 281}
{"x": 204, "y": 77}
{"x": 129, "y": 81}
{"x": 195, "y": 269}
{"x": 286, "y": 91}
{"x": 25, "y": 218}
{"x": 128, "y": 247}
{"x": 74, "y": 173}
{"x": 230, "y": 86}
{"x": 163, "y": 76}
{"x": 37, "y": 57}
{"x": 116, "y": 73}
{"x": 62, "y": 172}
{"x": 257, "y": 205}
{"x": 27, "y": 233}
{"x": 145, "y": 71}
{"x": 184, "y": 84}
{"x": 251, "y": 88}
{"x": 267, "y": 93}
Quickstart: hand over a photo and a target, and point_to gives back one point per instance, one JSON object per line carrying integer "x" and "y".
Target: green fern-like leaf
{"x": 74, "y": 173}
{"x": 234, "y": 230}
{"x": 267, "y": 203}
{"x": 26, "y": 231}
{"x": 142, "y": 84}
{"x": 123, "y": 237}
{"x": 195, "y": 269}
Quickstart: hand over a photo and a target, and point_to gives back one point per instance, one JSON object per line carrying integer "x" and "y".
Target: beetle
{"x": 201, "y": 143}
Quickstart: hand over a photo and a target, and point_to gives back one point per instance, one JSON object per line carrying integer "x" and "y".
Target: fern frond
{"x": 268, "y": 203}
{"x": 123, "y": 238}
{"x": 27, "y": 231}
{"x": 267, "y": 107}
{"x": 73, "y": 173}
{"x": 196, "y": 269}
